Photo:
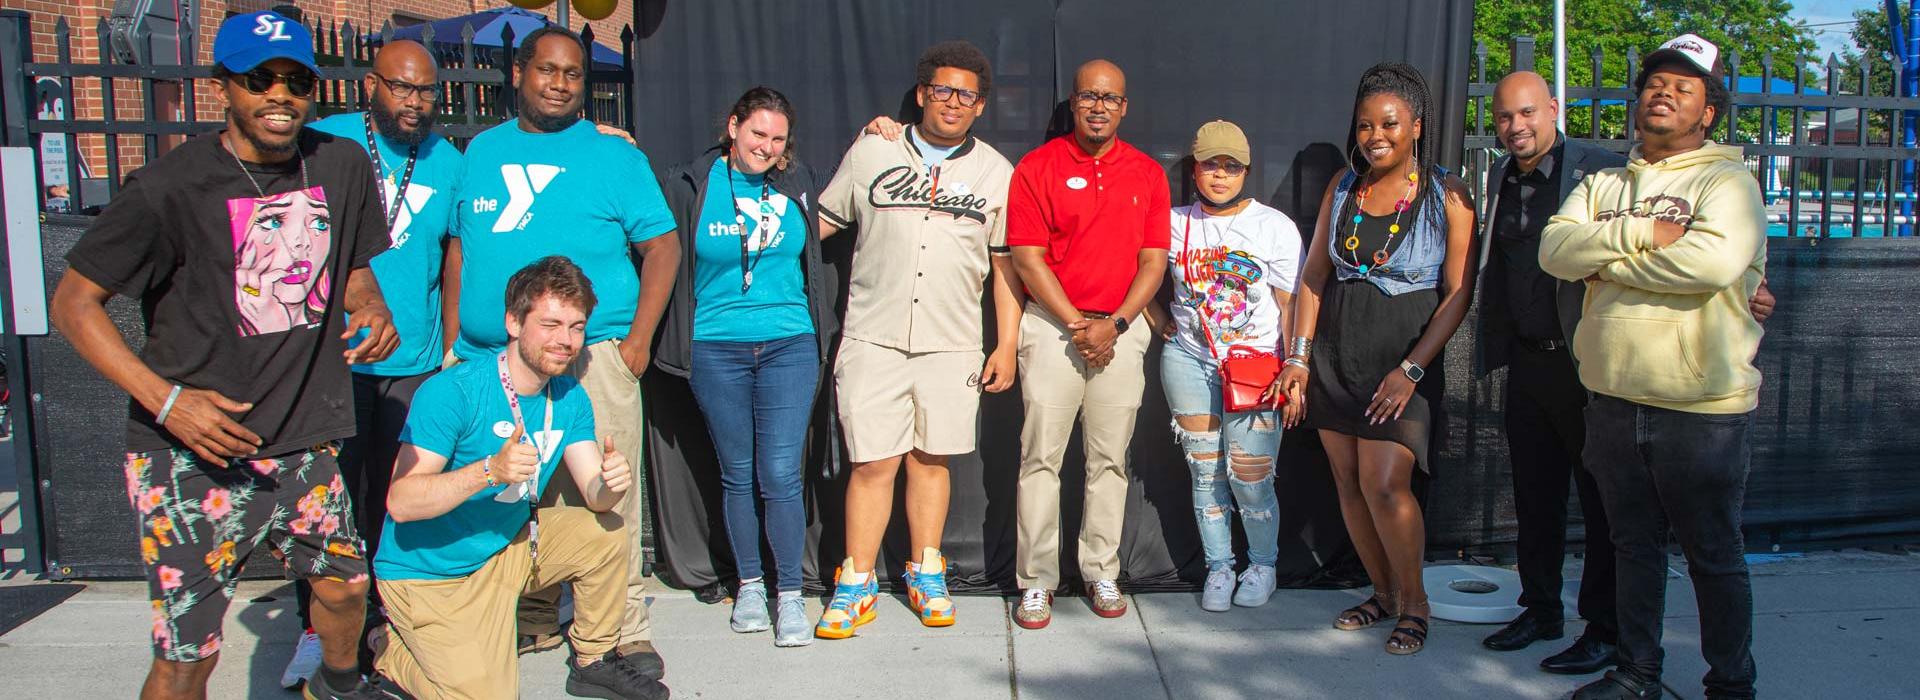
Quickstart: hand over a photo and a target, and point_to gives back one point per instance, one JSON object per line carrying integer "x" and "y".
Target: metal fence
{"x": 476, "y": 81}
{"x": 1821, "y": 177}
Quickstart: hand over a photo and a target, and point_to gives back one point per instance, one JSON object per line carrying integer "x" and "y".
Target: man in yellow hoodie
{"x": 1671, "y": 248}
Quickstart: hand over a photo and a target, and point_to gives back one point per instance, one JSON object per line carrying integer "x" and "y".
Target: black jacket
{"x": 686, "y": 190}
{"x": 1495, "y": 332}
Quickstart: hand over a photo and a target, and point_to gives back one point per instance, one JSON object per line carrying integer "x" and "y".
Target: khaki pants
{"x": 455, "y": 638}
{"x": 615, "y": 394}
{"x": 1058, "y": 388}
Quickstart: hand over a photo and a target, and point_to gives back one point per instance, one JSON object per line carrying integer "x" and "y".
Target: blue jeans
{"x": 758, "y": 399}
{"x": 1252, "y": 438}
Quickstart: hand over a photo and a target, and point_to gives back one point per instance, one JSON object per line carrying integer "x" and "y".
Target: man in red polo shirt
{"x": 1087, "y": 218}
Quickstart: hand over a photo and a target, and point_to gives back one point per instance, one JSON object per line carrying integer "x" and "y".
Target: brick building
{"x": 84, "y": 16}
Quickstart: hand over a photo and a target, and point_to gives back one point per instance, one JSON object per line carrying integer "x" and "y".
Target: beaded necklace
{"x": 1359, "y": 209}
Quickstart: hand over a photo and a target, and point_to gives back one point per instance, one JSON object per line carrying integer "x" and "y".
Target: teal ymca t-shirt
{"x": 409, "y": 271}
{"x": 526, "y": 196}
{"x": 462, "y": 414}
{"x": 775, "y": 306}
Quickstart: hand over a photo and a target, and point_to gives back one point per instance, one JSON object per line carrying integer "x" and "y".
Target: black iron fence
{"x": 1829, "y": 155}
{"x": 167, "y": 103}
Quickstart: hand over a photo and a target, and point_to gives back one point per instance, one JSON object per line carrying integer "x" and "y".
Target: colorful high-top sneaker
{"x": 927, "y": 589}
{"x": 852, "y": 604}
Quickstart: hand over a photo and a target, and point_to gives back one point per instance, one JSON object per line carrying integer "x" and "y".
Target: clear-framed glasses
{"x": 1232, "y": 168}
{"x": 1086, "y": 99}
{"x": 944, "y": 93}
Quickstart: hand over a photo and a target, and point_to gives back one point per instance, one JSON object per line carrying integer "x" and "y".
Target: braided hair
{"x": 1405, "y": 82}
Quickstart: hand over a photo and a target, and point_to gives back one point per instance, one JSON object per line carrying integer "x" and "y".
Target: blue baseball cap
{"x": 246, "y": 41}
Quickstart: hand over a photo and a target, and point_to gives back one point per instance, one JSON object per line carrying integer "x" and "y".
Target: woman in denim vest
{"x": 1384, "y": 287}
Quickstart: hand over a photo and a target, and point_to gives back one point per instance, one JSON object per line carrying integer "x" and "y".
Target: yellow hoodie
{"x": 1666, "y": 327}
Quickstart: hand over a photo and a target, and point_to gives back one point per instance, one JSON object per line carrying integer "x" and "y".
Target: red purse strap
{"x": 1186, "y": 249}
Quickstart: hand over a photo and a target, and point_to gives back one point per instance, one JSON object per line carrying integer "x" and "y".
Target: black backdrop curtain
{"x": 1284, "y": 71}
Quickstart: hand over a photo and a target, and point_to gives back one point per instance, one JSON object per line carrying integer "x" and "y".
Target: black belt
{"x": 1094, "y": 314}
{"x": 1541, "y": 345}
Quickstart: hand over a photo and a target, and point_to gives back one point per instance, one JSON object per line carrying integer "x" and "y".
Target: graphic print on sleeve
{"x": 280, "y": 248}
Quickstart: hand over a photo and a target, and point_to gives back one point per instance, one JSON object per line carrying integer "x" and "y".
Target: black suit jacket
{"x": 1495, "y": 332}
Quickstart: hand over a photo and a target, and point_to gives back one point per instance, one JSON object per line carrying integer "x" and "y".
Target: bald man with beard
{"x": 417, "y": 172}
{"x": 1089, "y": 224}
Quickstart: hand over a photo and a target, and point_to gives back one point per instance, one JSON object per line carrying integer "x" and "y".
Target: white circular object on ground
{"x": 1475, "y": 594}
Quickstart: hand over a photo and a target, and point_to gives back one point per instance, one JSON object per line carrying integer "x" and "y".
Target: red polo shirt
{"x": 1093, "y": 215}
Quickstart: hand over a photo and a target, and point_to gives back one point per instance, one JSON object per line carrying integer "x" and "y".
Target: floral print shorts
{"x": 199, "y": 522}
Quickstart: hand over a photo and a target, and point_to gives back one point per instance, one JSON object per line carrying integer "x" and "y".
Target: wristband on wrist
{"x": 167, "y": 408}
{"x": 1298, "y": 362}
{"x": 486, "y": 470}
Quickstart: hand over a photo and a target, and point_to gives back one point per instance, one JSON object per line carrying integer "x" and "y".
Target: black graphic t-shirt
{"x": 242, "y": 294}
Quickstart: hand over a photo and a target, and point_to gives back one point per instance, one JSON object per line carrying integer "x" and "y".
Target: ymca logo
{"x": 272, "y": 29}
{"x": 415, "y": 201}
{"x": 523, "y": 183}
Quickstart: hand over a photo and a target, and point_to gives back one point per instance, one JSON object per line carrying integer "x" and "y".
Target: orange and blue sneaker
{"x": 927, "y": 589}
{"x": 852, "y": 604}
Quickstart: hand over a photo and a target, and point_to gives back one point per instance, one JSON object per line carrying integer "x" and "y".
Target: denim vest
{"x": 1415, "y": 265}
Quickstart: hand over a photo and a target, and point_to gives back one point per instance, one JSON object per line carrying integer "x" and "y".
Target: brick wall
{"x": 84, "y": 16}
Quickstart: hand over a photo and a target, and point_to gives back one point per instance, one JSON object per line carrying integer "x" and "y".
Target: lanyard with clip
{"x": 746, "y": 267}
{"x": 529, "y": 489}
{"x": 391, "y": 200}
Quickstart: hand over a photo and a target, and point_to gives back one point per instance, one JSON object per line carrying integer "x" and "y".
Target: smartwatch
{"x": 1119, "y": 324}
{"x": 1413, "y": 371}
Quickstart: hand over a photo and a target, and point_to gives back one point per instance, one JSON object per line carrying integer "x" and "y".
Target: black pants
{"x": 380, "y": 407}
{"x": 1545, "y": 433}
{"x": 1661, "y": 469}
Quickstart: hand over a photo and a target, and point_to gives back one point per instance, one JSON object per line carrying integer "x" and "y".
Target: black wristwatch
{"x": 1119, "y": 324}
{"x": 1413, "y": 371}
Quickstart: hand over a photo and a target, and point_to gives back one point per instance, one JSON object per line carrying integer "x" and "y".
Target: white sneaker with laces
{"x": 305, "y": 663}
{"x": 1256, "y": 586}
{"x": 1218, "y": 594}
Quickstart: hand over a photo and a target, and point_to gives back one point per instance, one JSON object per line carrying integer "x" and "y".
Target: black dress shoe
{"x": 1526, "y": 629}
{"x": 1587, "y": 655}
{"x": 1618, "y": 685}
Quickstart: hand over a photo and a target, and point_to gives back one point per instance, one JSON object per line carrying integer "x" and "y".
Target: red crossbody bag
{"x": 1246, "y": 372}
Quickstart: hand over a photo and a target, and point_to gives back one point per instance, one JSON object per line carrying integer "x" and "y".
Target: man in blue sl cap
{"x": 246, "y": 249}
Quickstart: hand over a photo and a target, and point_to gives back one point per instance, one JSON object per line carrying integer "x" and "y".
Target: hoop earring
{"x": 1348, "y": 154}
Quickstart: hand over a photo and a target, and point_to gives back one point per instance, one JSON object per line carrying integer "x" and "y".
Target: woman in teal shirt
{"x": 753, "y": 357}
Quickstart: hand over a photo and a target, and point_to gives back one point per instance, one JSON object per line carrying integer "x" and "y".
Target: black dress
{"x": 1362, "y": 335}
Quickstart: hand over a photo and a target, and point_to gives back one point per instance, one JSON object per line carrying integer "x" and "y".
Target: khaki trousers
{"x": 456, "y": 638}
{"x": 1058, "y": 388}
{"x": 615, "y": 394}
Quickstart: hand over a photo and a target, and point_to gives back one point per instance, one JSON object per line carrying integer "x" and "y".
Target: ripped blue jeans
{"x": 1231, "y": 458}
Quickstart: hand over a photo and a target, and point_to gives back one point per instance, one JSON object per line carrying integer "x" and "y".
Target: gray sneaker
{"x": 795, "y": 629}
{"x": 1217, "y": 595}
{"x": 750, "y": 608}
{"x": 1256, "y": 586}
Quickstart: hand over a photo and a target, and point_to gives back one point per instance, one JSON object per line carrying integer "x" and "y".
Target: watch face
{"x": 1415, "y": 373}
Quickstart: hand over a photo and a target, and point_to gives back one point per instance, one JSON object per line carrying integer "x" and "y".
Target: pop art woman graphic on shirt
{"x": 280, "y": 247}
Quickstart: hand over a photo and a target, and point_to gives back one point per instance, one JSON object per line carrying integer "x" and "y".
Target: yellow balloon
{"x": 531, "y": 4}
{"x": 594, "y": 9}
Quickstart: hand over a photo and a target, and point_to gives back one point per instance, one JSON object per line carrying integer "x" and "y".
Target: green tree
{"x": 1607, "y": 29}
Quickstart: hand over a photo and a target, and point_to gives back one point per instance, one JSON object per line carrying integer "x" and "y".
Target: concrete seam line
{"x": 1151, "y": 651}
{"x": 1013, "y": 668}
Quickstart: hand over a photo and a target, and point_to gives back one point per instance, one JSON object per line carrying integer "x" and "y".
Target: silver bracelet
{"x": 1302, "y": 346}
{"x": 1298, "y": 362}
{"x": 166, "y": 408}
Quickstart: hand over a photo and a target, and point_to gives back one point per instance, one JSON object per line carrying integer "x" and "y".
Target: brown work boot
{"x": 1105, "y": 599}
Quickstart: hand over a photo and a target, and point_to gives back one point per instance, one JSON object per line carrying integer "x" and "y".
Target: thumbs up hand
{"x": 518, "y": 460}
{"x": 614, "y": 471}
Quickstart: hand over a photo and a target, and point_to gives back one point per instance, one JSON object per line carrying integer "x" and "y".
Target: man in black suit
{"x": 1527, "y": 319}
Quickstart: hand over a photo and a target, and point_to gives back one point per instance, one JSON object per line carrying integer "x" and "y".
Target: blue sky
{"x": 1832, "y": 37}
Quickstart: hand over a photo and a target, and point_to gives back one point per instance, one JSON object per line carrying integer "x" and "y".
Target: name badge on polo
{"x": 1076, "y": 183}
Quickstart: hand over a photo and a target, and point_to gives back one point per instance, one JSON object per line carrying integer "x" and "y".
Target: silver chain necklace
{"x": 256, "y": 183}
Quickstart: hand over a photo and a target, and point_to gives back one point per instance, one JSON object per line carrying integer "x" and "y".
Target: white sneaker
{"x": 306, "y": 661}
{"x": 1219, "y": 591}
{"x": 1256, "y": 586}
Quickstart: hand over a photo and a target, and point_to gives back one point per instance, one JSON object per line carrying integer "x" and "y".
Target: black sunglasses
{"x": 258, "y": 81}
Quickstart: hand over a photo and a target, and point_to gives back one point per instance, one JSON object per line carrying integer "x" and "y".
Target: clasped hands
{"x": 1093, "y": 338}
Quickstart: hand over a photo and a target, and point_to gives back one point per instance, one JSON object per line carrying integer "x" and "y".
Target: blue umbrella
{"x": 488, "y": 29}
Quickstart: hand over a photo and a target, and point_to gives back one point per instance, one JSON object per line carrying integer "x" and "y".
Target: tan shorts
{"x": 892, "y": 401}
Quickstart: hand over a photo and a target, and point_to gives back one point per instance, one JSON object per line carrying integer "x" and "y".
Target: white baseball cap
{"x": 1699, "y": 53}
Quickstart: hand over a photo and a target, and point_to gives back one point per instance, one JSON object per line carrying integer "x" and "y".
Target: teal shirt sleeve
{"x": 438, "y": 417}
{"x": 643, "y": 207}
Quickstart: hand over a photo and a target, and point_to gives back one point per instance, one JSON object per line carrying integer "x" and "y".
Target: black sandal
{"x": 1361, "y": 616}
{"x": 1408, "y": 640}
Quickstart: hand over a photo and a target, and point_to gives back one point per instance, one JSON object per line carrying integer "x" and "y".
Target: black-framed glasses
{"x": 1233, "y": 168}
{"x": 944, "y": 93}
{"x": 258, "y": 81}
{"x": 404, "y": 90}
{"x": 1086, "y": 99}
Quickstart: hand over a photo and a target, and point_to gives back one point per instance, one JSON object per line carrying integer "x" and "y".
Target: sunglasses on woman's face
{"x": 258, "y": 81}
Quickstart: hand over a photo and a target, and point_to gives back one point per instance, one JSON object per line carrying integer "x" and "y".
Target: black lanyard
{"x": 746, "y": 267}
{"x": 379, "y": 175}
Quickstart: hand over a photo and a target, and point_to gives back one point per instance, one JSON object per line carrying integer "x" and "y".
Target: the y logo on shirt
{"x": 415, "y": 202}
{"x": 523, "y": 183}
